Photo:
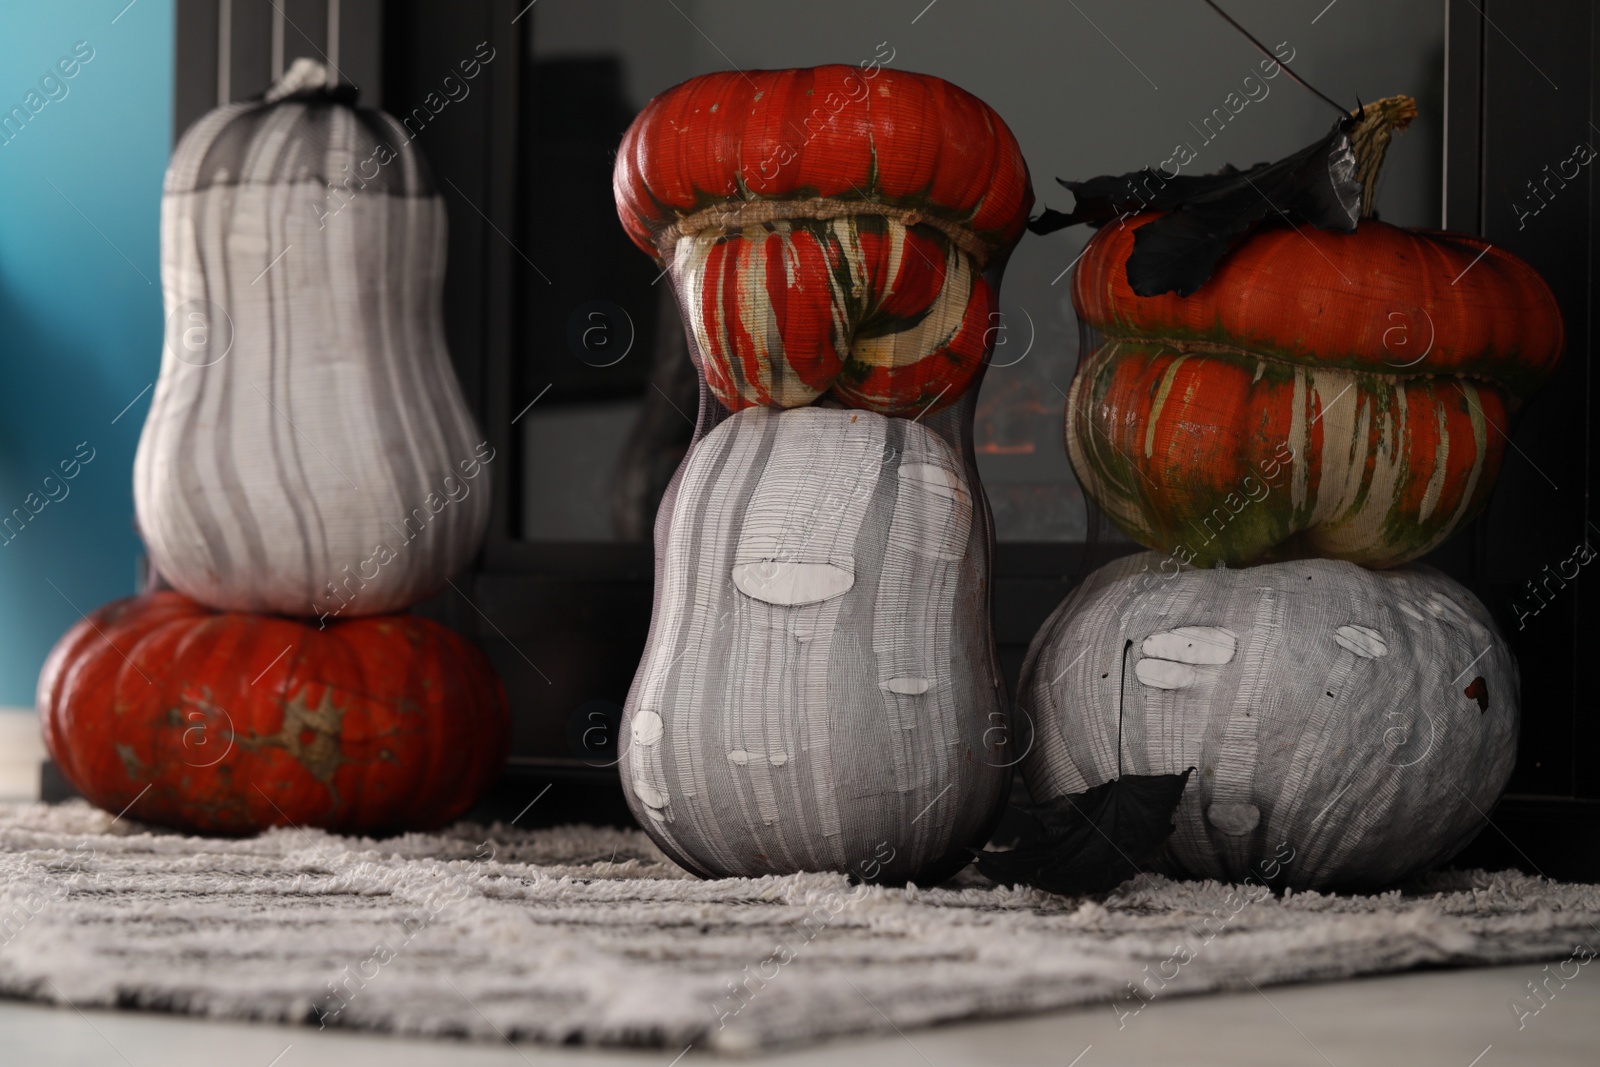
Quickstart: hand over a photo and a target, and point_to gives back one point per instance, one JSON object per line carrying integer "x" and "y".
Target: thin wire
{"x": 1264, "y": 51}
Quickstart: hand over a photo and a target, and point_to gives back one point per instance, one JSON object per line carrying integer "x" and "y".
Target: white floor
{"x": 1444, "y": 1018}
{"x": 1448, "y": 1019}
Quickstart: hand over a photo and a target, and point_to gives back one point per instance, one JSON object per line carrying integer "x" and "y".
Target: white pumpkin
{"x": 308, "y": 450}
{"x": 1365, "y": 719}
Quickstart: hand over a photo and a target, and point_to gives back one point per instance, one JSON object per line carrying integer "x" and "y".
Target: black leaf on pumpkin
{"x": 1205, "y": 215}
{"x": 1092, "y": 841}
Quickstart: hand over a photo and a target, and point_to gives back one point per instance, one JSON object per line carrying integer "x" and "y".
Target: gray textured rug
{"x": 590, "y": 936}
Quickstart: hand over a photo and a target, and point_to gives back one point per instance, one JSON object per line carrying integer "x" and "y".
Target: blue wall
{"x": 80, "y": 306}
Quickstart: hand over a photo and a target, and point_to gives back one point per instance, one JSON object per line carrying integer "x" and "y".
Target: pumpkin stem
{"x": 1378, "y": 122}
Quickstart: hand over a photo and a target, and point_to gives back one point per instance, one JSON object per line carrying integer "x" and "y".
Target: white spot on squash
{"x": 739, "y": 756}
{"x": 907, "y": 685}
{"x": 647, "y": 728}
{"x": 787, "y": 584}
{"x": 1210, "y": 645}
{"x": 1235, "y": 820}
{"x": 1165, "y": 674}
{"x": 649, "y": 795}
{"x": 1364, "y": 641}
{"x": 1441, "y": 608}
{"x": 1409, "y": 609}
{"x": 778, "y": 759}
{"x": 935, "y": 479}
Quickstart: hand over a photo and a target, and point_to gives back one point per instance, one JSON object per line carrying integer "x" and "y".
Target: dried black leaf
{"x": 1092, "y": 841}
{"x": 1205, "y": 215}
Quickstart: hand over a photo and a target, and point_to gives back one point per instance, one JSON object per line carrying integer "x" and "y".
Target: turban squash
{"x": 219, "y": 722}
{"x": 1365, "y": 719}
{"x": 1377, "y": 368}
{"x": 308, "y": 448}
{"x": 822, "y": 241}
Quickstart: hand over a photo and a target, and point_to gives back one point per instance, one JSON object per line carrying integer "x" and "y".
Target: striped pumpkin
{"x": 1380, "y": 368}
{"x": 1359, "y": 721}
{"x": 827, "y": 230}
{"x": 817, "y": 691}
{"x": 308, "y": 450}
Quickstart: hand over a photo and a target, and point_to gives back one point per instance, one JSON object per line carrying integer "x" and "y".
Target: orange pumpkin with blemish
{"x": 224, "y": 722}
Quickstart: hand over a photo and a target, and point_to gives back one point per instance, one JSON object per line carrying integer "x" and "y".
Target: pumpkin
{"x": 308, "y": 450}
{"x": 1367, "y": 720}
{"x": 818, "y": 689}
{"x": 1379, "y": 367}
{"x": 220, "y": 722}
{"x": 828, "y": 230}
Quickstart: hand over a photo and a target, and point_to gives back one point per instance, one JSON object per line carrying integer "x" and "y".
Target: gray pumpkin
{"x": 817, "y": 690}
{"x": 1367, "y": 720}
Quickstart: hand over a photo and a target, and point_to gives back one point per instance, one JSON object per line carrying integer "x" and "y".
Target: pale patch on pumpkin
{"x": 319, "y": 754}
{"x": 787, "y": 584}
{"x": 647, "y": 728}
{"x": 1235, "y": 820}
{"x": 1441, "y": 465}
{"x": 1165, "y": 674}
{"x": 940, "y": 481}
{"x": 1364, "y": 641}
{"x": 1300, "y": 440}
{"x": 907, "y": 686}
{"x": 1158, "y": 403}
{"x": 649, "y": 795}
{"x": 1480, "y": 444}
{"x": 1192, "y": 644}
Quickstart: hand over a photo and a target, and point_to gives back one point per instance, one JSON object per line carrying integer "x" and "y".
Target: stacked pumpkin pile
{"x": 819, "y": 690}
{"x": 308, "y": 456}
{"x": 1339, "y": 402}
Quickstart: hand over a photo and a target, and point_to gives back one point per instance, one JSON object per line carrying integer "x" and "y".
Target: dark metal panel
{"x": 248, "y": 33}
{"x": 450, "y": 75}
{"x": 302, "y": 31}
{"x": 505, "y": 264}
{"x": 194, "y": 76}
{"x": 355, "y": 45}
{"x": 1586, "y": 441}
{"x": 1537, "y": 86}
{"x": 1463, "y": 101}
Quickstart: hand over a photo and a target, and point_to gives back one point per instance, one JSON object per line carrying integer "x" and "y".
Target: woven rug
{"x": 581, "y": 935}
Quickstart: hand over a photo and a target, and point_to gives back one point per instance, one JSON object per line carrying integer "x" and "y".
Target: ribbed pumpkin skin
{"x": 1224, "y": 457}
{"x": 832, "y": 131}
{"x": 1324, "y": 706}
{"x": 770, "y": 330}
{"x": 821, "y": 241}
{"x": 267, "y": 474}
{"x": 818, "y": 690}
{"x": 230, "y": 723}
{"x": 1438, "y": 344}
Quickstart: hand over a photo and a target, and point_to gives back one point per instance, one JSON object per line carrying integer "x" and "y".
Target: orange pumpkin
{"x": 820, "y": 240}
{"x": 1375, "y": 369}
{"x": 222, "y": 722}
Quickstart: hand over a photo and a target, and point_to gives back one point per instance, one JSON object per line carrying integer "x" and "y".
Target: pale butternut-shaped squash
{"x": 308, "y": 450}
